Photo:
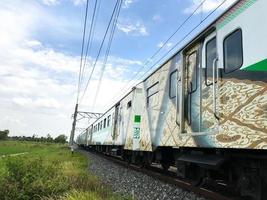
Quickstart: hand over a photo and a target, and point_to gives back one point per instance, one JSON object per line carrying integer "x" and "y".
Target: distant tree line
{"x": 4, "y": 134}
{"x": 59, "y": 139}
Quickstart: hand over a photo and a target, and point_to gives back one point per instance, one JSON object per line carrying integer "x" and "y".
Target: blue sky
{"x": 41, "y": 46}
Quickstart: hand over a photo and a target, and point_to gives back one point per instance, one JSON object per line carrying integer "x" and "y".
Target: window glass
{"x": 211, "y": 54}
{"x": 233, "y": 51}
{"x": 105, "y": 122}
{"x": 129, "y": 104}
{"x": 153, "y": 89}
{"x": 152, "y": 95}
{"x": 173, "y": 84}
{"x": 98, "y": 126}
{"x": 108, "y": 121}
{"x": 101, "y": 125}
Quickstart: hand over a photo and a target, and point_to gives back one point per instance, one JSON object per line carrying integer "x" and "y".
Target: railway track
{"x": 168, "y": 177}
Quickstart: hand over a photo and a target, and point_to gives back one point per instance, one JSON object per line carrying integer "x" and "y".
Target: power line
{"x": 166, "y": 41}
{"x": 99, "y": 51}
{"x": 91, "y": 33}
{"x": 192, "y": 30}
{"x": 107, "y": 51}
{"x": 81, "y": 61}
{"x": 179, "y": 27}
{"x": 186, "y": 35}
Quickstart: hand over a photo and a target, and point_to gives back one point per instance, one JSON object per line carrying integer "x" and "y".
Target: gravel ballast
{"x": 138, "y": 185}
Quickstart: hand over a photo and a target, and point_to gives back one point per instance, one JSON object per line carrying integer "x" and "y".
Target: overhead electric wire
{"x": 90, "y": 36}
{"x": 99, "y": 51}
{"x": 214, "y": 10}
{"x": 166, "y": 41}
{"x": 107, "y": 51}
{"x": 186, "y": 36}
{"x": 179, "y": 27}
{"x": 81, "y": 60}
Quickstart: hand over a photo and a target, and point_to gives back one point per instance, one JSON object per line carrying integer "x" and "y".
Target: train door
{"x": 179, "y": 93}
{"x": 191, "y": 91}
{"x": 89, "y": 133}
{"x": 116, "y": 118}
{"x": 210, "y": 85}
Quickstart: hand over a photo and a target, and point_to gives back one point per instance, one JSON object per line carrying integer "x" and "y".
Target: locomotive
{"x": 203, "y": 111}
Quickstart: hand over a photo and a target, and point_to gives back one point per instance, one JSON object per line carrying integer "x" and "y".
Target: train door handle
{"x": 215, "y": 79}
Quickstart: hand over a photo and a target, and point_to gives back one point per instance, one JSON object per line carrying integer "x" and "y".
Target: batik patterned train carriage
{"x": 204, "y": 110}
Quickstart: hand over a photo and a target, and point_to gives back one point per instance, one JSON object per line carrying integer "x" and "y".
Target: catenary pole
{"x": 73, "y": 125}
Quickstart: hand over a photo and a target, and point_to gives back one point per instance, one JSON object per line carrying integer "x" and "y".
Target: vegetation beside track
{"x": 47, "y": 171}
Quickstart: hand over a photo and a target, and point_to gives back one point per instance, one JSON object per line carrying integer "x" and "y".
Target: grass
{"x": 13, "y": 147}
{"x": 48, "y": 172}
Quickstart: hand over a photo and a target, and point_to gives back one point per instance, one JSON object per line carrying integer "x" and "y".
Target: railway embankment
{"x": 138, "y": 185}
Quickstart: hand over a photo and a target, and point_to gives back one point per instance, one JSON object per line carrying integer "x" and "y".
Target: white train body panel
{"x": 192, "y": 102}
{"x": 102, "y": 129}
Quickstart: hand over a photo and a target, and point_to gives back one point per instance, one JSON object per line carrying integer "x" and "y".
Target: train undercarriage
{"x": 239, "y": 172}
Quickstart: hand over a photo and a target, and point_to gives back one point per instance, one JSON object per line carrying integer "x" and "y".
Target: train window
{"x": 113, "y": 117}
{"x": 101, "y": 123}
{"x": 108, "y": 122}
{"x": 152, "y": 91}
{"x": 105, "y": 122}
{"x": 129, "y": 104}
{"x": 173, "y": 84}
{"x": 211, "y": 54}
{"x": 233, "y": 51}
{"x": 98, "y": 126}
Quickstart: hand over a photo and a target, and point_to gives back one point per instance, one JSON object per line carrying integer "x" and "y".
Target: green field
{"x": 47, "y": 171}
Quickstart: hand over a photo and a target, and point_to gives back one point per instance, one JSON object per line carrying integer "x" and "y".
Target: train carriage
{"x": 205, "y": 109}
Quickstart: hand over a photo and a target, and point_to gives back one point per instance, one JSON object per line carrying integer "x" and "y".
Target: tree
{"x": 49, "y": 138}
{"x": 4, "y": 134}
{"x": 61, "y": 139}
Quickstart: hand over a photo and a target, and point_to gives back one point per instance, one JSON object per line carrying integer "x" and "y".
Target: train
{"x": 204, "y": 110}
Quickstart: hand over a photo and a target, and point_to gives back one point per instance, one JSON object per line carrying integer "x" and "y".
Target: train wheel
{"x": 196, "y": 175}
{"x": 165, "y": 165}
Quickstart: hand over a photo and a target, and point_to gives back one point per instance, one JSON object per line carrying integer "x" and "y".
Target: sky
{"x": 40, "y": 43}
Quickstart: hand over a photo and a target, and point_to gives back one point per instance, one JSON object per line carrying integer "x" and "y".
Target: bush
{"x": 4, "y": 134}
{"x": 32, "y": 179}
{"x": 61, "y": 139}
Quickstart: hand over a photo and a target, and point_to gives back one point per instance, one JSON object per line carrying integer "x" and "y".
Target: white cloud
{"x": 207, "y": 6}
{"x": 33, "y": 43}
{"x": 48, "y": 59}
{"x": 58, "y": 2}
{"x": 38, "y": 83}
{"x": 78, "y": 2}
{"x": 135, "y": 29}
{"x": 127, "y": 3}
{"x": 39, "y": 103}
{"x": 168, "y": 45}
{"x": 51, "y": 2}
{"x": 22, "y": 101}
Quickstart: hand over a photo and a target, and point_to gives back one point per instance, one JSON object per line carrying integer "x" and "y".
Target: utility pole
{"x": 73, "y": 125}
{"x": 78, "y": 116}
